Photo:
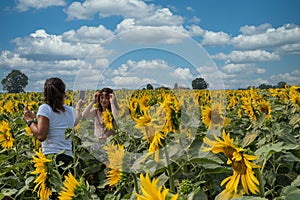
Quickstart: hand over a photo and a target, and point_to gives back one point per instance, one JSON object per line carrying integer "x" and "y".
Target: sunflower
{"x": 6, "y": 139}
{"x": 228, "y": 195}
{"x": 115, "y": 157}
{"x": 225, "y": 146}
{"x": 155, "y": 145}
{"x": 9, "y": 106}
{"x": 240, "y": 162}
{"x": 150, "y": 190}
{"x": 108, "y": 119}
{"x": 143, "y": 120}
{"x": 240, "y": 113}
{"x": 153, "y": 132}
{"x": 294, "y": 95}
{"x": 248, "y": 107}
{"x": 242, "y": 171}
{"x": 213, "y": 116}
{"x": 143, "y": 102}
{"x": 68, "y": 191}
{"x": 232, "y": 102}
{"x": 40, "y": 168}
{"x": 28, "y": 132}
{"x": 266, "y": 108}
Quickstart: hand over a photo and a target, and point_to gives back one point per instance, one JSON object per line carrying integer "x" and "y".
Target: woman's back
{"x": 59, "y": 122}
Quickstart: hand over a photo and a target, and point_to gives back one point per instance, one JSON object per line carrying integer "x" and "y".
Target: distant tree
{"x": 281, "y": 84}
{"x": 264, "y": 86}
{"x": 15, "y": 82}
{"x": 199, "y": 83}
{"x": 162, "y": 88}
{"x": 176, "y": 86}
{"x": 149, "y": 86}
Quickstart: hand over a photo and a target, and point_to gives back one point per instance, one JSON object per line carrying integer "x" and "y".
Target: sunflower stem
{"x": 74, "y": 152}
{"x": 170, "y": 172}
{"x": 135, "y": 183}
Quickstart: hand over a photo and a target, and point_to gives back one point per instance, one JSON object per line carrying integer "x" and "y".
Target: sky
{"x": 91, "y": 44}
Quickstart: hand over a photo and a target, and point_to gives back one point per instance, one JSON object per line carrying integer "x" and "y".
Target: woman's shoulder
{"x": 69, "y": 108}
{"x": 45, "y": 110}
{"x": 44, "y": 106}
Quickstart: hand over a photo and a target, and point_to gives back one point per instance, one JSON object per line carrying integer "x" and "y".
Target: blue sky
{"x": 130, "y": 43}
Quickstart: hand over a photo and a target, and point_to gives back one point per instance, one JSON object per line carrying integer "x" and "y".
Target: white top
{"x": 58, "y": 123}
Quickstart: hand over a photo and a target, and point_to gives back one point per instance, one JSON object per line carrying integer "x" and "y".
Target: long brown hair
{"x": 54, "y": 93}
{"x": 107, "y": 91}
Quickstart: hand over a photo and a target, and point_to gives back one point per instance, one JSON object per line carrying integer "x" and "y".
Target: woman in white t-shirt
{"x": 53, "y": 119}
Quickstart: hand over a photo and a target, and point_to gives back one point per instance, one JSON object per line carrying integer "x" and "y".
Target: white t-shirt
{"x": 58, "y": 123}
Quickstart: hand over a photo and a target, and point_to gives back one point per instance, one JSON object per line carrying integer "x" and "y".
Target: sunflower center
{"x": 239, "y": 167}
{"x": 264, "y": 109}
{"x": 297, "y": 101}
{"x": 228, "y": 152}
{"x": 7, "y": 137}
{"x": 215, "y": 117}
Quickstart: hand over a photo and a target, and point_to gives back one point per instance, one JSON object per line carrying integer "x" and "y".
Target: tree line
{"x": 16, "y": 82}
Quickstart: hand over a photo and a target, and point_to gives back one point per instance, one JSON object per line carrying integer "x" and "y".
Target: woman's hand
{"x": 28, "y": 115}
{"x": 96, "y": 96}
{"x": 80, "y": 103}
{"x": 112, "y": 98}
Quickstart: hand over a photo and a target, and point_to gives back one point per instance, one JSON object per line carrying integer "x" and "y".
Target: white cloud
{"x": 195, "y": 30}
{"x": 282, "y": 40}
{"x": 288, "y": 49}
{"x": 253, "y": 30}
{"x": 242, "y": 69}
{"x": 247, "y": 56}
{"x": 138, "y": 73}
{"x": 267, "y": 37}
{"x": 143, "y": 14}
{"x": 195, "y": 20}
{"x": 161, "y": 17}
{"x": 13, "y": 60}
{"x": 211, "y": 38}
{"x": 24, "y": 5}
{"x": 189, "y": 8}
{"x": 42, "y": 46}
{"x": 88, "y": 34}
{"x": 38, "y": 71}
{"x": 257, "y": 82}
{"x": 142, "y": 23}
{"x": 212, "y": 76}
{"x": 130, "y": 32}
{"x": 106, "y": 8}
{"x": 234, "y": 68}
{"x": 131, "y": 81}
{"x": 140, "y": 67}
{"x": 289, "y": 77}
{"x": 122, "y": 70}
{"x": 156, "y": 64}
{"x": 182, "y": 73}
{"x": 260, "y": 70}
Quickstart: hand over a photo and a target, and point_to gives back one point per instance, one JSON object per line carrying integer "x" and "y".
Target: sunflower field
{"x": 169, "y": 144}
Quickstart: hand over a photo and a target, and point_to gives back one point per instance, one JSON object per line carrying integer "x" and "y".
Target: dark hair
{"x": 54, "y": 93}
{"x": 107, "y": 91}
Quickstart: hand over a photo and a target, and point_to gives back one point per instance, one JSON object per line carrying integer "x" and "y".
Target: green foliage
{"x": 199, "y": 83}
{"x": 15, "y": 82}
{"x": 183, "y": 167}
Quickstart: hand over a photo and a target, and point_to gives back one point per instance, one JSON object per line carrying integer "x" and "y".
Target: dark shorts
{"x": 66, "y": 161}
